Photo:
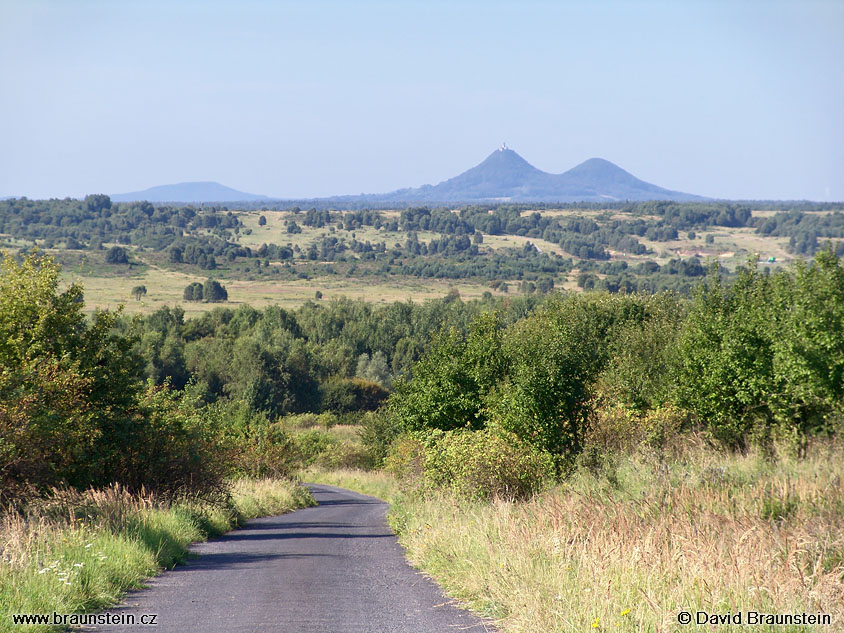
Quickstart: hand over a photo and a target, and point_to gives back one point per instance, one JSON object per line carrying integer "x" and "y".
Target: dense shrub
{"x": 166, "y": 446}
{"x": 344, "y": 455}
{"x": 553, "y": 357}
{"x": 378, "y": 430}
{"x": 116, "y": 255}
{"x": 352, "y": 394}
{"x": 311, "y": 444}
{"x": 766, "y": 351}
{"x": 267, "y": 451}
{"x": 66, "y": 385}
{"x": 442, "y": 393}
{"x": 214, "y": 292}
{"x": 73, "y": 410}
{"x": 449, "y": 383}
{"x": 472, "y": 464}
{"x": 193, "y": 292}
{"x": 643, "y": 363}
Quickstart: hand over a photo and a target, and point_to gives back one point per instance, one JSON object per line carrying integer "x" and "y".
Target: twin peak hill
{"x": 503, "y": 176}
{"x": 506, "y": 176}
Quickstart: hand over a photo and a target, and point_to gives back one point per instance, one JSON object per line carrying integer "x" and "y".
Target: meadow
{"x": 107, "y": 286}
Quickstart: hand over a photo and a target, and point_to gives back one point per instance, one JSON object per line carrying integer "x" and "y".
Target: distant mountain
{"x": 502, "y": 176}
{"x": 506, "y": 176}
{"x": 189, "y": 192}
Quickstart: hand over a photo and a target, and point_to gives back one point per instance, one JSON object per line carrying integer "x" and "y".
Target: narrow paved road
{"x": 335, "y": 568}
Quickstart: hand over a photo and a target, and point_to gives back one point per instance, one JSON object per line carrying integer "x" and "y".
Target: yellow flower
{"x": 596, "y": 624}
{"x": 625, "y": 612}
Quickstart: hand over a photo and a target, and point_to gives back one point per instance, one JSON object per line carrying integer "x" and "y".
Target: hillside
{"x": 505, "y": 176}
{"x": 188, "y": 192}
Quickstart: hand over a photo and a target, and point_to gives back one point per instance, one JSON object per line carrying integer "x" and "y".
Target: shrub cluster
{"x": 73, "y": 406}
{"x": 761, "y": 357}
{"x": 212, "y": 291}
{"x": 478, "y": 465}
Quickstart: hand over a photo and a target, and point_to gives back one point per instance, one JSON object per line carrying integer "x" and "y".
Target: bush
{"x": 267, "y": 452}
{"x": 451, "y": 380}
{"x": 166, "y": 448}
{"x": 116, "y": 255}
{"x": 644, "y": 363}
{"x": 766, "y": 352}
{"x": 554, "y": 356}
{"x": 352, "y": 394}
{"x": 214, "y": 292}
{"x": 193, "y": 292}
{"x": 67, "y": 385}
{"x": 378, "y": 431}
{"x": 311, "y": 444}
{"x": 621, "y": 429}
{"x": 406, "y": 462}
{"x": 344, "y": 455}
{"x": 479, "y": 465}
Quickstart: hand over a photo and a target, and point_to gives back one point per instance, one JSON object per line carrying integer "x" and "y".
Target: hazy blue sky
{"x": 739, "y": 99}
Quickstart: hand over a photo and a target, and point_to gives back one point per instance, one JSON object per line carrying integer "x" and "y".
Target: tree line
{"x": 176, "y": 404}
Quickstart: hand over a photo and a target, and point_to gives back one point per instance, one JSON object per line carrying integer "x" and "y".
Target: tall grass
{"x": 629, "y": 551}
{"x": 78, "y": 552}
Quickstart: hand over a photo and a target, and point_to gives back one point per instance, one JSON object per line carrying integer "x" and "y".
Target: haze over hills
{"x": 189, "y": 192}
{"x": 503, "y": 176}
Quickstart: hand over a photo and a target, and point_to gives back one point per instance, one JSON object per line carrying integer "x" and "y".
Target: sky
{"x": 731, "y": 99}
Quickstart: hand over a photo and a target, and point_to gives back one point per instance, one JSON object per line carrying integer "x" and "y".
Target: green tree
{"x": 553, "y": 357}
{"x": 766, "y": 351}
{"x": 116, "y": 255}
{"x": 441, "y": 393}
{"x": 66, "y": 385}
{"x": 450, "y": 382}
{"x": 214, "y": 292}
{"x": 138, "y": 292}
{"x": 193, "y": 292}
{"x": 808, "y": 347}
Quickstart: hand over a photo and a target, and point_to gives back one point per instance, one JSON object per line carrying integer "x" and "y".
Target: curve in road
{"x": 333, "y": 568}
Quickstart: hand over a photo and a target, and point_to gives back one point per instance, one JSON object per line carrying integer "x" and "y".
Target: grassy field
{"x": 79, "y": 552}
{"x": 107, "y": 286}
{"x": 165, "y": 287}
{"x": 630, "y": 549}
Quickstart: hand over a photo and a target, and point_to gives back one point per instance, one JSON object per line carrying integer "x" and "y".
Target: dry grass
{"x": 166, "y": 288}
{"x": 629, "y": 552}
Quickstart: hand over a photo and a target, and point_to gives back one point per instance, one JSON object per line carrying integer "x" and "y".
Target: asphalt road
{"x": 334, "y": 568}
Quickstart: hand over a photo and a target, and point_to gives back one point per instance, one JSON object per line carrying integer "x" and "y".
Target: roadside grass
{"x": 79, "y": 552}
{"x": 628, "y": 546}
{"x": 629, "y": 549}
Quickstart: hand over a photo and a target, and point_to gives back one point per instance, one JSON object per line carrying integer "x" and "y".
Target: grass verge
{"x": 632, "y": 546}
{"x": 630, "y": 551}
{"x": 79, "y": 552}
